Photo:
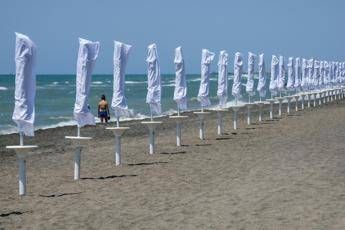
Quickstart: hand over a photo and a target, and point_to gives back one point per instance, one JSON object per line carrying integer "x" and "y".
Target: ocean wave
{"x": 60, "y": 117}
{"x": 194, "y": 99}
{"x": 97, "y": 82}
{"x": 135, "y": 82}
{"x": 193, "y": 80}
{"x": 3, "y": 88}
{"x": 8, "y": 130}
{"x": 168, "y": 85}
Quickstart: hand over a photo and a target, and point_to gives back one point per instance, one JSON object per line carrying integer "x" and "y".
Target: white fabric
{"x": 291, "y": 74}
{"x": 222, "y": 91}
{"x": 180, "y": 92}
{"x": 297, "y": 83}
{"x": 262, "y": 76}
{"x": 334, "y": 69}
{"x": 206, "y": 60}
{"x": 238, "y": 68}
{"x": 119, "y": 101}
{"x": 25, "y": 85}
{"x": 304, "y": 82}
{"x": 326, "y": 73}
{"x": 322, "y": 74}
{"x": 310, "y": 65}
{"x": 281, "y": 75}
{"x": 250, "y": 76}
{"x": 274, "y": 74}
{"x": 153, "y": 97}
{"x": 316, "y": 73}
{"x": 339, "y": 72}
{"x": 87, "y": 55}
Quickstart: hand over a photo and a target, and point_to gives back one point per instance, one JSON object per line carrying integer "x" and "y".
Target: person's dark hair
{"x": 103, "y": 97}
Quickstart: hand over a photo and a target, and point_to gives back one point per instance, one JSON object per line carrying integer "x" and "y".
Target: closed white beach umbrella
{"x": 291, "y": 74}
{"x": 322, "y": 74}
{"x": 222, "y": 91}
{"x": 153, "y": 97}
{"x": 250, "y": 76}
{"x": 310, "y": 65}
{"x": 262, "y": 76}
{"x": 304, "y": 82}
{"x": 334, "y": 70}
{"x": 180, "y": 92}
{"x": 339, "y": 73}
{"x": 87, "y": 55}
{"x": 316, "y": 73}
{"x": 274, "y": 75}
{"x": 206, "y": 61}
{"x": 119, "y": 101}
{"x": 326, "y": 73}
{"x": 298, "y": 73}
{"x": 238, "y": 68}
{"x": 281, "y": 75}
{"x": 343, "y": 72}
{"x": 25, "y": 85}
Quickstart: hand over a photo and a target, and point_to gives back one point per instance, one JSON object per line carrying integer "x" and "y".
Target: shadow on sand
{"x": 59, "y": 194}
{"x": 148, "y": 163}
{"x": 173, "y": 153}
{"x": 107, "y": 177}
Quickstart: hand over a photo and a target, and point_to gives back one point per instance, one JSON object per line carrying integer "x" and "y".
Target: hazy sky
{"x": 306, "y": 28}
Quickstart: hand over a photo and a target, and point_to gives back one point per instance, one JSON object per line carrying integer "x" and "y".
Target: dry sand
{"x": 281, "y": 174}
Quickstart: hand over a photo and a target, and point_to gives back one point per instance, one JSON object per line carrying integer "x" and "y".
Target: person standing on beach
{"x": 103, "y": 110}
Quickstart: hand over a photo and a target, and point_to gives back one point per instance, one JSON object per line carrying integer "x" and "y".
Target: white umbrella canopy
{"x": 326, "y": 73}
{"x": 281, "y": 75}
{"x": 250, "y": 76}
{"x": 339, "y": 73}
{"x": 153, "y": 97}
{"x": 222, "y": 91}
{"x": 298, "y": 73}
{"x": 322, "y": 74}
{"x": 25, "y": 85}
{"x": 291, "y": 74}
{"x": 343, "y": 72}
{"x": 261, "y": 88}
{"x": 180, "y": 92}
{"x": 310, "y": 66}
{"x": 274, "y": 75}
{"x": 316, "y": 74}
{"x": 87, "y": 55}
{"x": 206, "y": 60}
{"x": 334, "y": 71}
{"x": 304, "y": 81}
{"x": 238, "y": 68}
{"x": 119, "y": 101}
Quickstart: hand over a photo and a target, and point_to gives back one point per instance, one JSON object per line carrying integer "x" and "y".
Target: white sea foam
{"x": 135, "y": 82}
{"x": 97, "y": 82}
{"x": 169, "y": 85}
{"x": 60, "y": 117}
{"x": 3, "y": 88}
{"x": 194, "y": 80}
{"x": 59, "y": 124}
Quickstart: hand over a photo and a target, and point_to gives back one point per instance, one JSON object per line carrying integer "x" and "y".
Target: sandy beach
{"x": 286, "y": 173}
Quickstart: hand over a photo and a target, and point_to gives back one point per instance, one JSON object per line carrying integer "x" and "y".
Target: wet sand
{"x": 286, "y": 173}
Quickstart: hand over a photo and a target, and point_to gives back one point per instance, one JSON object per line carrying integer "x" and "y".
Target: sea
{"x": 55, "y": 97}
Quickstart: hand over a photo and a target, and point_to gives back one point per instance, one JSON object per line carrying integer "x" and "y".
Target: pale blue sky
{"x": 306, "y": 28}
